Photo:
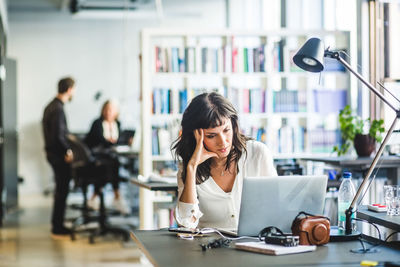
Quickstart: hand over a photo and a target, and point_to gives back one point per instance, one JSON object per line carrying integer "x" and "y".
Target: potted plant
{"x": 354, "y": 131}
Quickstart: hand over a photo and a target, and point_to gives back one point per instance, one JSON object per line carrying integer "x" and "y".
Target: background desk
{"x": 163, "y": 248}
{"x": 147, "y": 199}
{"x": 154, "y": 186}
{"x": 391, "y": 222}
{"x": 390, "y": 163}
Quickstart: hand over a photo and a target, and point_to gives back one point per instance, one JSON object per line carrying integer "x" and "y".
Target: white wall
{"x": 102, "y": 55}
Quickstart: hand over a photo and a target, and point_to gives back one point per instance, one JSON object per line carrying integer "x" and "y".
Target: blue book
{"x": 182, "y": 100}
{"x": 175, "y": 59}
{"x": 154, "y": 142}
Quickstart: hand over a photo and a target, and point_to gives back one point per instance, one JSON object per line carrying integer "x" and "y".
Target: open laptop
{"x": 275, "y": 201}
{"x": 125, "y": 137}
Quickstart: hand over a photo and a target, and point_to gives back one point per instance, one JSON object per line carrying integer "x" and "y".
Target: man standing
{"x": 58, "y": 151}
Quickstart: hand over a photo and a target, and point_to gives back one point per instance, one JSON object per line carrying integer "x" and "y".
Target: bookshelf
{"x": 292, "y": 111}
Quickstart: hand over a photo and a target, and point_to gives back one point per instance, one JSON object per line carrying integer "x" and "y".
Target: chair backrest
{"x": 82, "y": 153}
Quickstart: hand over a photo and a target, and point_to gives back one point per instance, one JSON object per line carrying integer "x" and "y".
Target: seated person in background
{"x": 215, "y": 157}
{"x": 103, "y": 134}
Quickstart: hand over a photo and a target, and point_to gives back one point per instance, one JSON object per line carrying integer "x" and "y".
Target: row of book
{"x": 293, "y": 138}
{"x": 165, "y": 102}
{"x": 224, "y": 59}
{"x": 248, "y": 100}
{"x": 289, "y": 101}
{"x": 164, "y": 218}
{"x": 274, "y": 57}
{"x": 161, "y": 140}
{"x": 286, "y": 139}
{"x": 245, "y": 100}
{"x": 323, "y": 141}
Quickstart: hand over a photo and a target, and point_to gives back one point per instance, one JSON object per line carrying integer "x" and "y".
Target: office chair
{"x": 87, "y": 170}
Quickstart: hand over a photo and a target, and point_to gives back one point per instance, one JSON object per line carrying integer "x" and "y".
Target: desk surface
{"x": 163, "y": 248}
{"x": 392, "y": 222}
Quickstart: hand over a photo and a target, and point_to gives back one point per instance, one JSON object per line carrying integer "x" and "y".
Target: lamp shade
{"x": 310, "y": 56}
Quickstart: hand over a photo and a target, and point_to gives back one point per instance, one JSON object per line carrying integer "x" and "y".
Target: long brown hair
{"x": 208, "y": 110}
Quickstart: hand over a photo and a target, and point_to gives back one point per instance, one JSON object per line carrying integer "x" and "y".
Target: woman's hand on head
{"x": 200, "y": 153}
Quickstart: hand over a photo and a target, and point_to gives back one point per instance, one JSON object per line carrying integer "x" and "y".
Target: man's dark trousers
{"x": 62, "y": 176}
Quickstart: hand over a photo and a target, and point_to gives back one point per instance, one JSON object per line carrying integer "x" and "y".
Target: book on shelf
{"x": 245, "y": 59}
{"x": 278, "y": 58}
{"x": 154, "y": 141}
{"x": 250, "y": 60}
{"x": 286, "y": 139}
{"x": 323, "y": 141}
{"x": 234, "y": 59}
{"x": 285, "y": 101}
{"x": 246, "y": 100}
{"x": 164, "y": 141}
{"x": 158, "y": 56}
{"x": 161, "y": 101}
{"x": 175, "y": 59}
{"x": 225, "y": 59}
{"x": 257, "y": 103}
{"x": 329, "y": 100}
{"x": 165, "y": 218}
{"x": 183, "y": 100}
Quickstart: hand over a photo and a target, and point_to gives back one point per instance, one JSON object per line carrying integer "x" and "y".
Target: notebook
{"x": 275, "y": 201}
{"x": 262, "y": 247}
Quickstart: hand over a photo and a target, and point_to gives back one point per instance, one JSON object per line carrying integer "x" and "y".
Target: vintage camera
{"x": 312, "y": 230}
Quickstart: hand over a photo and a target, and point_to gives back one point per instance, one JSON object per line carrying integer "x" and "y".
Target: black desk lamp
{"x": 310, "y": 58}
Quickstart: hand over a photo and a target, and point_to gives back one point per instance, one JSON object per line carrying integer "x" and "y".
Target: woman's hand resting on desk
{"x": 200, "y": 153}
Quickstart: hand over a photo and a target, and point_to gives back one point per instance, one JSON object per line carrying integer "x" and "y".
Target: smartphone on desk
{"x": 189, "y": 230}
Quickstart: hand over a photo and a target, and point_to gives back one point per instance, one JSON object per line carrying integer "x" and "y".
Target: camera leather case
{"x": 312, "y": 230}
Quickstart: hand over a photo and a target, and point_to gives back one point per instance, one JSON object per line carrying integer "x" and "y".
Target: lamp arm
{"x": 374, "y": 162}
{"x": 337, "y": 56}
{"x": 350, "y": 210}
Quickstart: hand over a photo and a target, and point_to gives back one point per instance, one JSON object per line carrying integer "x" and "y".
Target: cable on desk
{"x": 373, "y": 224}
{"x": 389, "y": 236}
{"x": 226, "y": 237}
{"x": 364, "y": 249}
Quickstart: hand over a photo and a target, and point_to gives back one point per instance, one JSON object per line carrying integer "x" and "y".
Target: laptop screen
{"x": 276, "y": 201}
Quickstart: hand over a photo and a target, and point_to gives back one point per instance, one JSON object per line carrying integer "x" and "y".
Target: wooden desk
{"x": 163, "y": 248}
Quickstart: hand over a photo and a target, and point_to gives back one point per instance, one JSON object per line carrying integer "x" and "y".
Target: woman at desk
{"x": 215, "y": 157}
{"x": 103, "y": 134}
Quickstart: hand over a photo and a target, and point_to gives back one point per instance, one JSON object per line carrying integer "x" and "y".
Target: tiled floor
{"x": 25, "y": 240}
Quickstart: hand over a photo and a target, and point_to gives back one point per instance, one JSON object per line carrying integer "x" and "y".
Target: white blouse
{"x": 216, "y": 208}
{"x": 110, "y": 130}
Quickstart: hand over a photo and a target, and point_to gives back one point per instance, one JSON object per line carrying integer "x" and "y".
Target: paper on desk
{"x": 122, "y": 148}
{"x": 162, "y": 179}
{"x": 262, "y": 247}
